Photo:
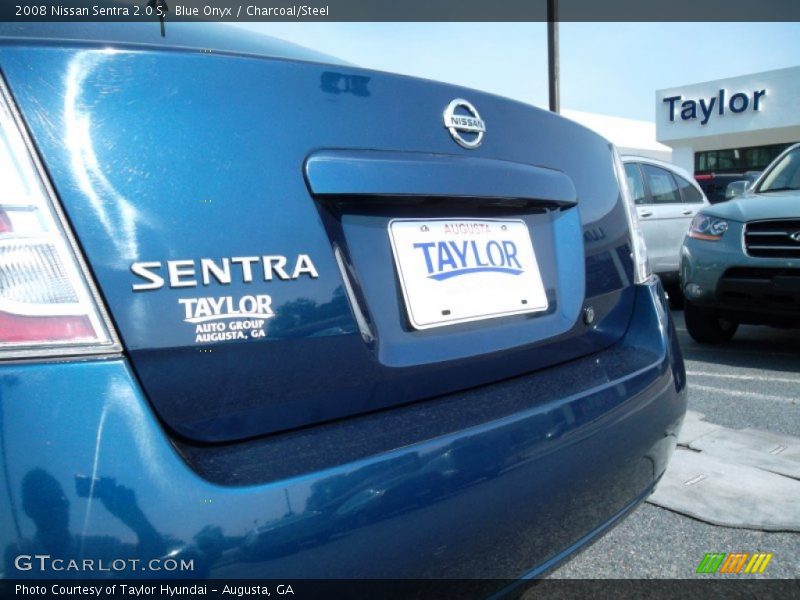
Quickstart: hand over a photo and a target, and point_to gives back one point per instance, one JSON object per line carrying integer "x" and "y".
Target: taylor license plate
{"x": 459, "y": 270}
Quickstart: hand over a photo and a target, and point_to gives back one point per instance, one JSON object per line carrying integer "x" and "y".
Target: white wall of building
{"x": 691, "y": 118}
{"x": 628, "y": 135}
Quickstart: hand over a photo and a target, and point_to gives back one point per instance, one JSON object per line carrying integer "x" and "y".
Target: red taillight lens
{"x": 5, "y": 222}
{"x": 47, "y": 303}
{"x": 44, "y": 329}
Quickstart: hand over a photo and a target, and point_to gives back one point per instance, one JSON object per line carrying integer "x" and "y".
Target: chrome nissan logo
{"x": 464, "y": 123}
{"x": 795, "y": 236}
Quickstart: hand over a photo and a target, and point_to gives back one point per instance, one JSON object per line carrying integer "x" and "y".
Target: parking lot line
{"x": 738, "y": 394}
{"x": 743, "y": 377}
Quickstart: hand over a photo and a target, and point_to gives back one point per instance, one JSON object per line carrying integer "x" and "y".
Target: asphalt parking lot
{"x": 752, "y": 382}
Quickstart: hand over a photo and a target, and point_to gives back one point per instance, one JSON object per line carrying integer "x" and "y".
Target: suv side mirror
{"x": 736, "y": 188}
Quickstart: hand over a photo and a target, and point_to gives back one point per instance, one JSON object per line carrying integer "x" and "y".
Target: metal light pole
{"x": 552, "y": 54}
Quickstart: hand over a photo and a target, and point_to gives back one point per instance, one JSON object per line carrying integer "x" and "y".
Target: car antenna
{"x": 161, "y": 8}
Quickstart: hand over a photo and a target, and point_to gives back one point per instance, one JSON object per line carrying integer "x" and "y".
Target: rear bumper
{"x": 506, "y": 497}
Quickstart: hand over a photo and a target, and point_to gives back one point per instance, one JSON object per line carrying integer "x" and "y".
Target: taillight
{"x": 48, "y": 305}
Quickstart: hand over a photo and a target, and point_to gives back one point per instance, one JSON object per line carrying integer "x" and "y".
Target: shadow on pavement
{"x": 753, "y": 346}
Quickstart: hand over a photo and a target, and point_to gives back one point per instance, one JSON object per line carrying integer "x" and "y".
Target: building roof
{"x": 631, "y": 136}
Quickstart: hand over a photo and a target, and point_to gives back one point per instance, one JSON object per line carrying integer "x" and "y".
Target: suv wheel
{"x": 705, "y": 326}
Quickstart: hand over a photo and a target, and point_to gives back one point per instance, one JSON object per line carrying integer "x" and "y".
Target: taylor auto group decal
{"x": 225, "y": 317}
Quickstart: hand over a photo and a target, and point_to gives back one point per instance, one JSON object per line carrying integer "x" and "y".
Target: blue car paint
{"x": 159, "y": 154}
{"x": 162, "y": 156}
{"x": 562, "y": 470}
{"x": 371, "y": 173}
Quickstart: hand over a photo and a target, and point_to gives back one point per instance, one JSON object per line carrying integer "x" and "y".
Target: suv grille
{"x": 773, "y": 239}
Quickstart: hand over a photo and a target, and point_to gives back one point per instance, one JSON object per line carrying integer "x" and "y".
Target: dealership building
{"x": 730, "y": 125}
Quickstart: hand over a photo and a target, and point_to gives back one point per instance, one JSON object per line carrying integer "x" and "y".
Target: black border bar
{"x": 402, "y": 589}
{"x": 399, "y": 10}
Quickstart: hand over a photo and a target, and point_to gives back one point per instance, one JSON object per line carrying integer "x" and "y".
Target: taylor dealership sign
{"x": 704, "y": 109}
{"x": 744, "y": 111}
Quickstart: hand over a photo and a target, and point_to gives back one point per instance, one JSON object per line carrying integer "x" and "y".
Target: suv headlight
{"x": 641, "y": 267}
{"x": 708, "y": 228}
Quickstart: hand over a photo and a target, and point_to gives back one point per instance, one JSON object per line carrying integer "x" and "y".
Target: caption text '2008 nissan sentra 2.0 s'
{"x": 291, "y": 318}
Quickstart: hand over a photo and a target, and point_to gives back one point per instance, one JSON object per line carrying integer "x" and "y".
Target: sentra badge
{"x": 188, "y": 273}
{"x": 464, "y": 123}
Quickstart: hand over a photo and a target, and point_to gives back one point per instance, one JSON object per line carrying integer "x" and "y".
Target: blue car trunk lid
{"x": 235, "y": 212}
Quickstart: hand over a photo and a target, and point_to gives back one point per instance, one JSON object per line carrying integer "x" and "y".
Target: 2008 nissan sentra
{"x": 286, "y": 317}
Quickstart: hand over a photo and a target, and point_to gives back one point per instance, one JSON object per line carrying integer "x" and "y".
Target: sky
{"x": 607, "y": 68}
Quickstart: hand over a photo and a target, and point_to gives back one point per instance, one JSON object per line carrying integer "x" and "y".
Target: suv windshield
{"x": 785, "y": 175}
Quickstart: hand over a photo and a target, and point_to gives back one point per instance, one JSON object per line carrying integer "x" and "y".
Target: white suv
{"x": 667, "y": 199}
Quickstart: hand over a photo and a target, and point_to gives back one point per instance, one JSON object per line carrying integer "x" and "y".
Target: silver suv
{"x": 667, "y": 199}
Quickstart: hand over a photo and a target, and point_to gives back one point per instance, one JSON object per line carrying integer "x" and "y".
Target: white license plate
{"x": 458, "y": 270}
